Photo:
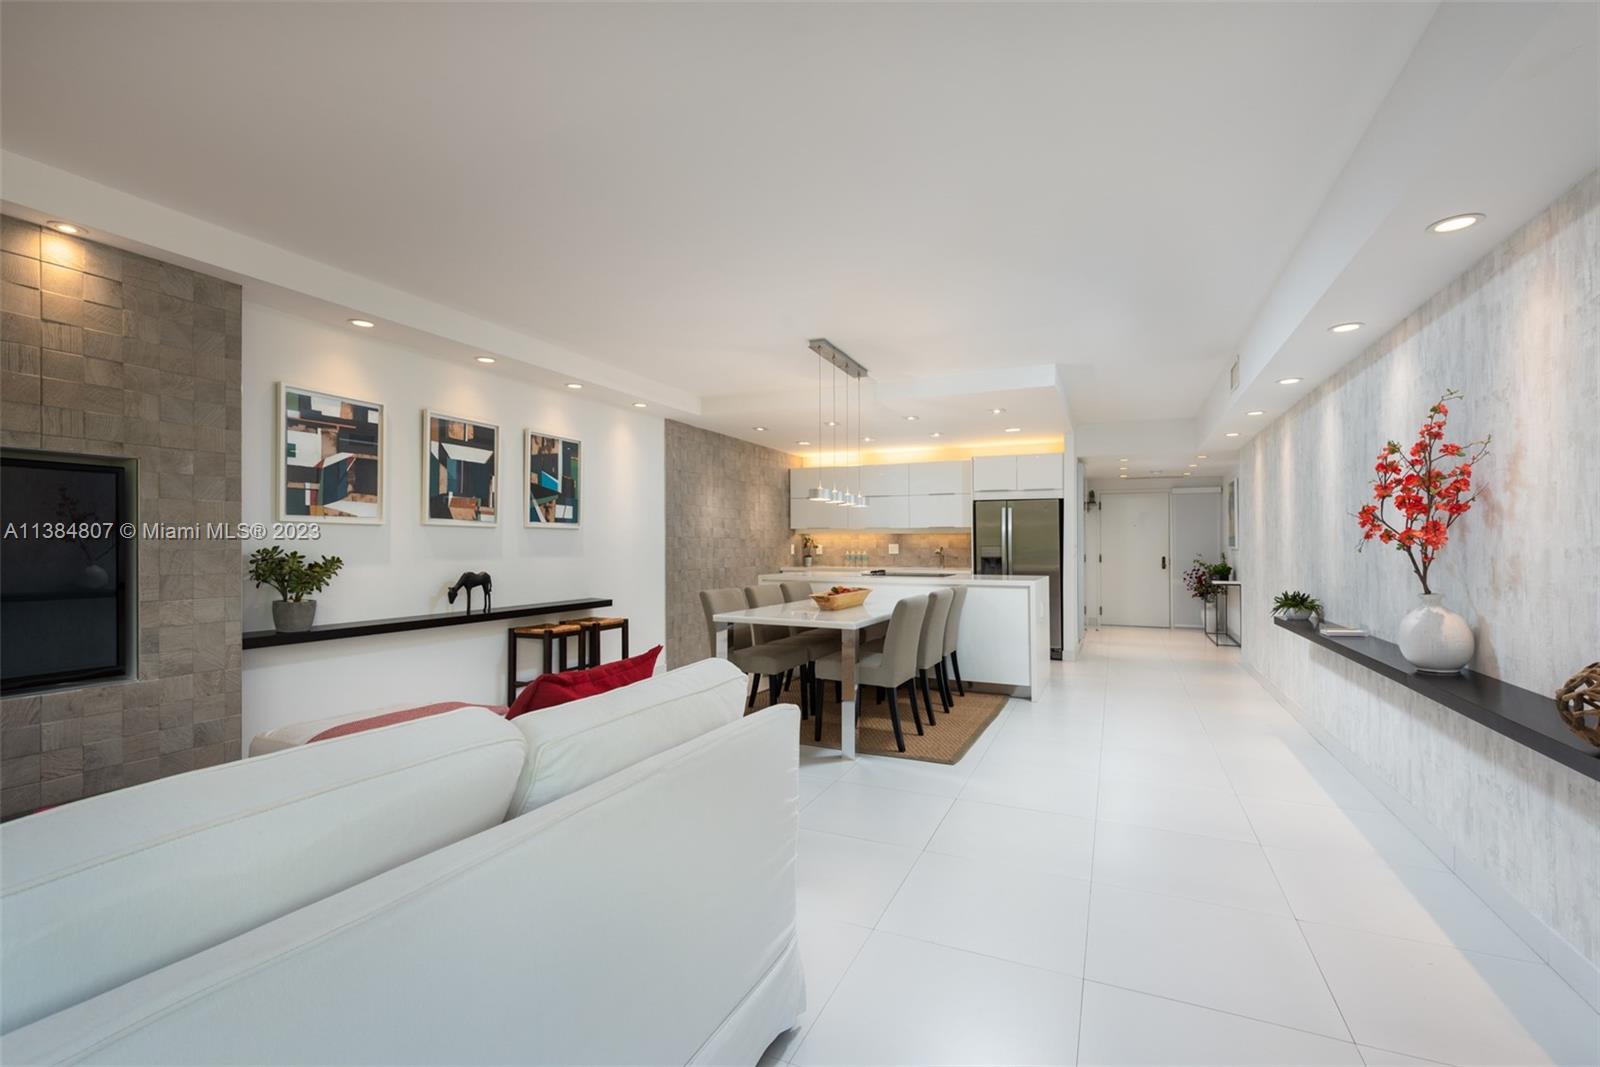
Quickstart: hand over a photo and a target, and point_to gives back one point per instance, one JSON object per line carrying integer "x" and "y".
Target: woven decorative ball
{"x": 1579, "y": 703}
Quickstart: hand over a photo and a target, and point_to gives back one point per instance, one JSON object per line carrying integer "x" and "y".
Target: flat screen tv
{"x": 66, "y": 570}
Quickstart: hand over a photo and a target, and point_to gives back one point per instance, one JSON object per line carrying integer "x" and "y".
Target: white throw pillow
{"x": 572, "y": 745}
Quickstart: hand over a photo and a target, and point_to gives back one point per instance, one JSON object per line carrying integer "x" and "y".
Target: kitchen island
{"x": 1005, "y": 627}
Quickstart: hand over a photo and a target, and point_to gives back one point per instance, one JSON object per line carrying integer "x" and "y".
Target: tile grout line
{"x": 1088, "y": 907}
{"x": 1306, "y": 941}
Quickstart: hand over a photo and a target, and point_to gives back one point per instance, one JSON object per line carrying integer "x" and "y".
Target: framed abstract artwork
{"x": 330, "y": 457}
{"x": 554, "y": 481}
{"x": 1231, "y": 515}
{"x": 460, "y": 471}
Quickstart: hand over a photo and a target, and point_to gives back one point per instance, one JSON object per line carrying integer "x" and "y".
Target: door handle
{"x": 1163, "y": 562}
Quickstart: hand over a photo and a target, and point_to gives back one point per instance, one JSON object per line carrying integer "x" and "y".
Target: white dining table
{"x": 850, "y": 622}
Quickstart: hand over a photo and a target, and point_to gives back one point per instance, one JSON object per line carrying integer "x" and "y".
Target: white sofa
{"x": 366, "y": 899}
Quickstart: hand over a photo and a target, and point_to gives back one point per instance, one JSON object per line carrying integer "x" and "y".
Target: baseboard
{"x": 1022, "y": 692}
{"x": 1574, "y": 968}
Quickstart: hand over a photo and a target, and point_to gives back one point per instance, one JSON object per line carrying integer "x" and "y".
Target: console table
{"x": 1219, "y": 634}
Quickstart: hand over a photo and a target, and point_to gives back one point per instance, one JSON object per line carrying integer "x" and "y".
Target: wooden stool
{"x": 548, "y": 633}
{"x": 594, "y": 626}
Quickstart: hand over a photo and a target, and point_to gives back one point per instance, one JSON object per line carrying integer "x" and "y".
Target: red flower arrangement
{"x": 1430, "y": 485}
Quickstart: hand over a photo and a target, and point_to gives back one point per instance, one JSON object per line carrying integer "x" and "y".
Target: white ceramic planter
{"x": 1434, "y": 639}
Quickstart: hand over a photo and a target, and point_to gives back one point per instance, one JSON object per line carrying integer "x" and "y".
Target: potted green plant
{"x": 295, "y": 578}
{"x": 1220, "y": 572}
{"x": 1296, "y": 606}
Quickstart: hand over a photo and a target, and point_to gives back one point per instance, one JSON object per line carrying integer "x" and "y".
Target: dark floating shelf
{"x": 372, "y": 627}
{"x": 1526, "y": 717}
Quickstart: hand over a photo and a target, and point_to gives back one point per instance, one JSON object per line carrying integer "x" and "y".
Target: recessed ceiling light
{"x": 574, "y": 385}
{"x": 1122, "y": 476}
{"x": 1186, "y": 474}
{"x": 1194, "y": 465}
{"x": 759, "y": 429}
{"x": 1201, "y": 455}
{"x": 1013, "y": 429}
{"x": 66, "y": 227}
{"x": 1255, "y": 413}
{"x": 867, "y": 439}
{"x": 832, "y": 423}
{"x": 1288, "y": 381}
{"x": 803, "y": 442}
{"x": 1345, "y": 327}
{"x": 485, "y": 359}
{"x": 1124, "y": 459}
{"x": 365, "y": 324}
{"x": 936, "y": 433}
{"x": 1231, "y": 433}
{"x": 639, "y": 403}
{"x": 911, "y": 418}
{"x": 1456, "y": 222}
{"x": 996, "y": 411}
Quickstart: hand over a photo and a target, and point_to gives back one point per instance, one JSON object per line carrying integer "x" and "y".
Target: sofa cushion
{"x": 562, "y": 687}
{"x": 572, "y": 745}
{"x": 103, "y": 890}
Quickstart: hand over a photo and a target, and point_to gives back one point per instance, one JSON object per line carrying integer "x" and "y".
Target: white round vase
{"x": 1434, "y": 639}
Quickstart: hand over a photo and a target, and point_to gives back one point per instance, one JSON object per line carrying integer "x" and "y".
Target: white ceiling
{"x": 689, "y": 192}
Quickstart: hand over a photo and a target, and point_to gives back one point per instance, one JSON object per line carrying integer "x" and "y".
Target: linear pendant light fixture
{"x": 843, "y": 367}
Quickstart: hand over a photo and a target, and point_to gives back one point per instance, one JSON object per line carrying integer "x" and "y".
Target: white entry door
{"x": 1136, "y": 571}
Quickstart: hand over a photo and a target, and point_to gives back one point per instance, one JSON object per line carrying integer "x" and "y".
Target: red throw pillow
{"x": 548, "y": 690}
{"x": 390, "y": 718}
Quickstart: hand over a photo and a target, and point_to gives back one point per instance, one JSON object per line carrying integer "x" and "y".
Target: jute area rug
{"x": 944, "y": 742}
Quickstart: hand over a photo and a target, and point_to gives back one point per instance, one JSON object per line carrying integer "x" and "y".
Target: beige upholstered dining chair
{"x": 770, "y": 659}
{"x": 888, "y": 668}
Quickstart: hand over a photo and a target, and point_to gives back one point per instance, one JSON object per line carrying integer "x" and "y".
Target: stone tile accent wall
{"x": 727, "y": 521}
{"x": 113, "y": 354}
{"x": 916, "y": 549}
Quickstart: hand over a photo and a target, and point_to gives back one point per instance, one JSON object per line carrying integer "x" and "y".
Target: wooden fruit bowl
{"x": 850, "y": 598}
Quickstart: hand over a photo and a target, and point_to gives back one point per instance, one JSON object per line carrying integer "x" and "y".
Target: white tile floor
{"x": 1150, "y": 863}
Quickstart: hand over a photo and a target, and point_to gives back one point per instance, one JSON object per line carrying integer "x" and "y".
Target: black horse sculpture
{"x": 470, "y": 581}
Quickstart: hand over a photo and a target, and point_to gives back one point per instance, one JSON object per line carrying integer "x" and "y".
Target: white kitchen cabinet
{"x": 994, "y": 474}
{"x": 802, "y": 480}
{"x": 816, "y": 515}
{"x": 932, "y": 478}
{"x": 1039, "y": 472}
{"x": 938, "y": 510}
{"x": 881, "y": 513}
{"x": 884, "y": 479}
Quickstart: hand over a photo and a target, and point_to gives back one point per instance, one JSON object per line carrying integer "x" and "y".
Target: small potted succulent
{"x": 1296, "y": 606}
{"x": 1220, "y": 572}
{"x": 294, "y": 578}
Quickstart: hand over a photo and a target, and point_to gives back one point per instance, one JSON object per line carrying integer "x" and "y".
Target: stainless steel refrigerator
{"x": 1021, "y": 537}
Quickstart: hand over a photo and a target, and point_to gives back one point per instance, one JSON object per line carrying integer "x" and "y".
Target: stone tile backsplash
{"x": 916, "y": 549}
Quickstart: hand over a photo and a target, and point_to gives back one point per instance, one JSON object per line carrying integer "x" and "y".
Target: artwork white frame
{"x": 527, "y": 481}
{"x": 428, "y": 417}
{"x": 1230, "y": 517}
{"x": 281, "y": 460}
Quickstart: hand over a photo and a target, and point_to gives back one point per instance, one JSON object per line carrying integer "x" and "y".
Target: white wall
{"x": 1519, "y": 334}
{"x": 403, "y": 567}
